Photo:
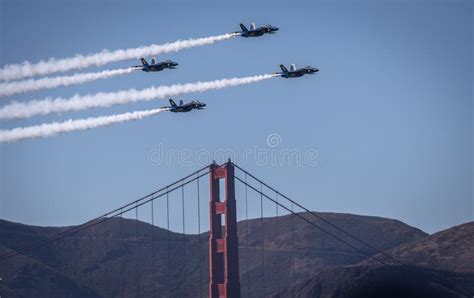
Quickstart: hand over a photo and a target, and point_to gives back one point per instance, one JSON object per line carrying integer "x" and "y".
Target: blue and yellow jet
{"x": 154, "y": 66}
{"x": 294, "y": 72}
{"x": 254, "y": 31}
{"x": 182, "y": 107}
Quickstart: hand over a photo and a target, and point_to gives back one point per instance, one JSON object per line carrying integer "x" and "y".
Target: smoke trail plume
{"x": 27, "y": 69}
{"x": 16, "y": 87}
{"x": 78, "y": 102}
{"x": 55, "y": 128}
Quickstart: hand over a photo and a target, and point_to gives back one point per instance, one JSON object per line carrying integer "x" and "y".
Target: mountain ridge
{"x": 114, "y": 260}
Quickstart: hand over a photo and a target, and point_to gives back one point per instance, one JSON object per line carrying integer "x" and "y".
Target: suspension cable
{"x": 123, "y": 256}
{"x": 323, "y": 220}
{"x": 91, "y": 239}
{"x": 105, "y": 239}
{"x": 184, "y": 242}
{"x": 152, "y": 193}
{"x": 315, "y": 225}
{"x": 263, "y": 241}
{"x": 248, "y": 235}
{"x": 277, "y": 235}
{"x": 75, "y": 273}
{"x": 293, "y": 263}
{"x": 327, "y": 232}
{"x": 168, "y": 236}
{"x": 199, "y": 234}
{"x": 92, "y": 222}
{"x": 307, "y": 227}
{"x": 138, "y": 251}
{"x": 152, "y": 247}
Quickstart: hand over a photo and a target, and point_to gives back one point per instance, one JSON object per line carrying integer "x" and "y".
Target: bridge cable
{"x": 184, "y": 242}
{"x": 75, "y": 272}
{"x": 168, "y": 235}
{"x": 123, "y": 256}
{"x": 327, "y": 232}
{"x": 324, "y": 220}
{"x": 152, "y": 247}
{"x": 138, "y": 251}
{"x": 307, "y": 228}
{"x": 277, "y": 237}
{"x": 263, "y": 241}
{"x": 315, "y": 225}
{"x": 248, "y": 235}
{"x": 93, "y": 222}
{"x": 199, "y": 234}
{"x": 91, "y": 239}
{"x": 100, "y": 219}
{"x": 293, "y": 261}
{"x": 105, "y": 239}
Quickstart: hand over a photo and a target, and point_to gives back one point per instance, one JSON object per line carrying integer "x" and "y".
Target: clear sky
{"x": 389, "y": 114}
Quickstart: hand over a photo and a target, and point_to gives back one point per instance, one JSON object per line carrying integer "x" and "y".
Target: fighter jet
{"x": 154, "y": 66}
{"x": 253, "y": 32}
{"x": 193, "y": 105}
{"x": 295, "y": 73}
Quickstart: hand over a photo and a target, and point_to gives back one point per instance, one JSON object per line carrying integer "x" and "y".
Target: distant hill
{"x": 126, "y": 258}
{"x": 25, "y": 277}
{"x": 450, "y": 250}
{"x": 445, "y": 268}
{"x": 381, "y": 281}
{"x": 296, "y": 256}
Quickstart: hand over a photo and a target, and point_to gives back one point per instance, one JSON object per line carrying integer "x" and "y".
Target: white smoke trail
{"x": 27, "y": 69}
{"x": 78, "y": 102}
{"x": 16, "y": 87}
{"x": 55, "y": 128}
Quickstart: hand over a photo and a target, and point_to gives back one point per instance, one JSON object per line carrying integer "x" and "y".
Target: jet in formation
{"x": 185, "y": 107}
{"x": 254, "y": 31}
{"x": 155, "y": 66}
{"x": 294, "y": 72}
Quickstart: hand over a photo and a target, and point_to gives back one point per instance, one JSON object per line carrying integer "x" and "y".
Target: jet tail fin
{"x": 172, "y": 103}
{"x": 242, "y": 26}
{"x": 143, "y": 60}
{"x": 283, "y": 68}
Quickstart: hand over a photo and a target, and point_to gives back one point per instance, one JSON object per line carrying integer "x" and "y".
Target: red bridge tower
{"x": 223, "y": 249}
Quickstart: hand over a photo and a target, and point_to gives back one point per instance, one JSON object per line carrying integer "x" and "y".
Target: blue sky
{"x": 389, "y": 114}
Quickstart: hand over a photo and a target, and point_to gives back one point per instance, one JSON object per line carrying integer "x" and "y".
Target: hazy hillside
{"x": 113, "y": 260}
{"x": 451, "y": 250}
{"x": 26, "y": 277}
{"x": 445, "y": 268}
{"x": 381, "y": 281}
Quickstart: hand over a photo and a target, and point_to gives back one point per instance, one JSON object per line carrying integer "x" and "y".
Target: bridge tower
{"x": 223, "y": 247}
